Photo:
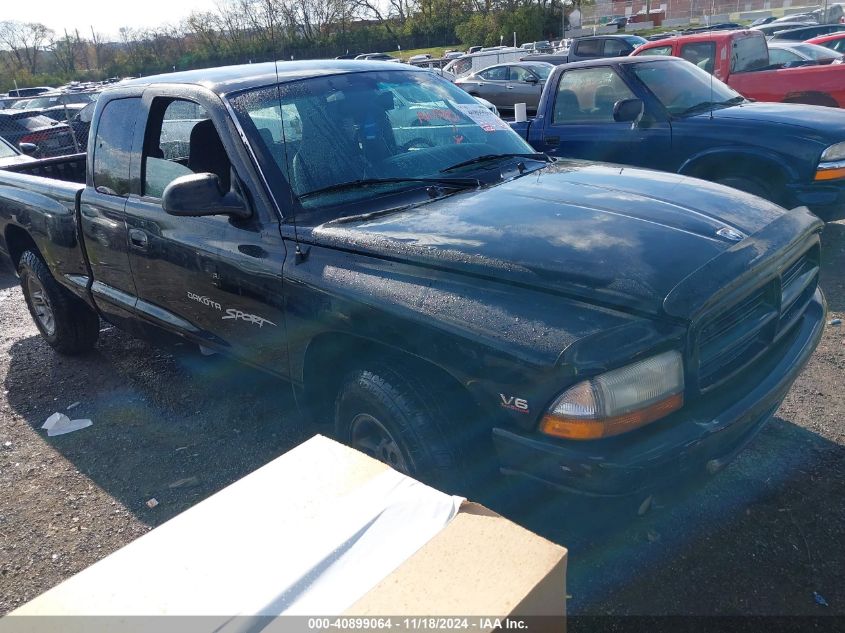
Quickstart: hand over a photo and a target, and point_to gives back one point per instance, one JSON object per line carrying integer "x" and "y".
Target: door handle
{"x": 138, "y": 238}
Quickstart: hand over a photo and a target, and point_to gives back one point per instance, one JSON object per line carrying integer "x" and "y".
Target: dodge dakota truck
{"x": 437, "y": 292}
{"x": 666, "y": 113}
{"x": 741, "y": 60}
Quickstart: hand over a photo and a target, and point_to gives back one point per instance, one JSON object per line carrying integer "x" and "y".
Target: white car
{"x": 488, "y": 105}
{"x": 10, "y": 155}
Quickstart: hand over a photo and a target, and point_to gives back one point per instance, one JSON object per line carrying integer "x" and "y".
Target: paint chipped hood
{"x": 614, "y": 235}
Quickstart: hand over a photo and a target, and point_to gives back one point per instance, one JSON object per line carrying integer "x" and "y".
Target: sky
{"x": 106, "y": 16}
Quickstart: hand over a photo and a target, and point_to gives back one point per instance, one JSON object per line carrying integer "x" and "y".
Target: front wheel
{"x": 401, "y": 421}
{"x": 749, "y": 185}
{"x": 68, "y": 324}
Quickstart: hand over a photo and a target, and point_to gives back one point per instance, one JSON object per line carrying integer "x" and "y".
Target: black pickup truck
{"x": 429, "y": 285}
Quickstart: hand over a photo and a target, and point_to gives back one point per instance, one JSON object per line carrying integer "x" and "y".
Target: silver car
{"x": 503, "y": 85}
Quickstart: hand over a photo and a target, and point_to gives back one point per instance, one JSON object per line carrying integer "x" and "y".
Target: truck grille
{"x": 732, "y": 339}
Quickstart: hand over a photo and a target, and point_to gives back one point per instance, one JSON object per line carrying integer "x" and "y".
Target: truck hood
{"x": 827, "y": 124}
{"x": 610, "y": 235}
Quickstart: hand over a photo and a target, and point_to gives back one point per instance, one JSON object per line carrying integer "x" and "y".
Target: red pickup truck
{"x": 741, "y": 60}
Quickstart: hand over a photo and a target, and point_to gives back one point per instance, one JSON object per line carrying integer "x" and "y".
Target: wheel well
{"x": 812, "y": 98}
{"x": 18, "y": 241}
{"x": 720, "y": 166}
{"x": 343, "y": 353}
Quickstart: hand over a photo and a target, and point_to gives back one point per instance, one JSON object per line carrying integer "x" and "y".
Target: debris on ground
{"x": 187, "y": 482}
{"x": 152, "y": 503}
{"x": 835, "y": 322}
{"x": 645, "y": 506}
{"x": 820, "y": 599}
{"x": 59, "y": 424}
{"x": 652, "y": 536}
{"x": 73, "y": 406}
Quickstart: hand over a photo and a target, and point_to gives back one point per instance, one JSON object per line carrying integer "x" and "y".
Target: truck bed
{"x": 67, "y": 168}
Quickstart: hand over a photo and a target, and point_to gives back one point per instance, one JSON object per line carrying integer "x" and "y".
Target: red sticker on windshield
{"x": 442, "y": 114}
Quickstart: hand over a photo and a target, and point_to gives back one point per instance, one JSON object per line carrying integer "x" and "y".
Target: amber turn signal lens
{"x": 581, "y": 429}
{"x": 830, "y": 174}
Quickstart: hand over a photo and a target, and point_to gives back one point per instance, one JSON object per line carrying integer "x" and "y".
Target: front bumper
{"x": 700, "y": 438}
{"x": 822, "y": 197}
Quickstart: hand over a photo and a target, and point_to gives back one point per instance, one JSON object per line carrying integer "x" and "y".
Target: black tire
{"x": 68, "y": 324}
{"x": 751, "y": 185}
{"x": 411, "y": 417}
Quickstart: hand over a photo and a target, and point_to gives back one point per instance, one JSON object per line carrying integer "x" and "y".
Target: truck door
{"x": 213, "y": 279}
{"x": 581, "y": 124}
{"x": 102, "y": 206}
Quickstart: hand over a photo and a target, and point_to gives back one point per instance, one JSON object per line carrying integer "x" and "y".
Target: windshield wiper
{"x": 488, "y": 157}
{"x": 704, "y": 105}
{"x": 449, "y": 183}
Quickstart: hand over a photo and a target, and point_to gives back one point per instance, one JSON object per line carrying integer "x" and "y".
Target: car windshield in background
{"x": 635, "y": 40}
{"x": 749, "y": 53}
{"x": 53, "y": 100}
{"x": 6, "y": 150}
{"x": 541, "y": 70}
{"x": 815, "y": 52}
{"x": 323, "y": 135}
{"x": 684, "y": 88}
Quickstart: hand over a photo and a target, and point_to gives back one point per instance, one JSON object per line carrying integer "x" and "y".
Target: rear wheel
{"x": 68, "y": 324}
{"x": 401, "y": 421}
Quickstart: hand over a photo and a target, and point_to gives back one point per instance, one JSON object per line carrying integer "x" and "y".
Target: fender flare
{"x": 691, "y": 164}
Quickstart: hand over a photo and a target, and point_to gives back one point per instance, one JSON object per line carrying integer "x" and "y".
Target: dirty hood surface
{"x": 611, "y": 234}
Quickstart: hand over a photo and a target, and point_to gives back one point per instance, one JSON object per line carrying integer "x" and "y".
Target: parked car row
{"x": 37, "y": 134}
{"x": 742, "y": 60}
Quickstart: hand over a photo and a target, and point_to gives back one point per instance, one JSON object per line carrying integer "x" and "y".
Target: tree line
{"x": 241, "y": 31}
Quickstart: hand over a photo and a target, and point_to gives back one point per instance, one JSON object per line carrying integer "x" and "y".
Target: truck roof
{"x": 706, "y": 36}
{"x": 227, "y": 79}
{"x": 599, "y": 61}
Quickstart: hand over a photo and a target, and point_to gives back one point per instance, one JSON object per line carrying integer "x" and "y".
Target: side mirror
{"x": 627, "y": 110}
{"x": 28, "y": 148}
{"x": 530, "y": 80}
{"x": 197, "y": 195}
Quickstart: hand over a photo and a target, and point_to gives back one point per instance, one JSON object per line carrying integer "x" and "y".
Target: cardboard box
{"x": 321, "y": 531}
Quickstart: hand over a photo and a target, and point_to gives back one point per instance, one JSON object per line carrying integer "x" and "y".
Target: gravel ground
{"x": 760, "y": 538}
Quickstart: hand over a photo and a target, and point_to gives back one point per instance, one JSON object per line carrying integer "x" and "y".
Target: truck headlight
{"x": 834, "y": 153}
{"x": 618, "y": 401}
{"x": 832, "y": 164}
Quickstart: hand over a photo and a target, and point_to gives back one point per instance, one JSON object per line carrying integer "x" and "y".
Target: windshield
{"x": 6, "y": 151}
{"x": 322, "y": 132}
{"x": 681, "y": 86}
{"x": 542, "y": 70}
{"x": 816, "y": 52}
{"x": 46, "y": 102}
{"x": 635, "y": 40}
